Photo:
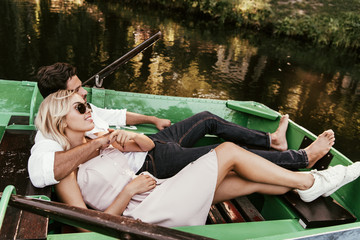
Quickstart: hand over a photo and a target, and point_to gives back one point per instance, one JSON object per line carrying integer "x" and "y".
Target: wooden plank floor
{"x": 14, "y": 154}
{"x": 234, "y": 211}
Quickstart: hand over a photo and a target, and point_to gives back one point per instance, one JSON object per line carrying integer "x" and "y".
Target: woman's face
{"x": 75, "y": 120}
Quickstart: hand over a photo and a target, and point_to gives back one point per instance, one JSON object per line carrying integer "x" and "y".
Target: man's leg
{"x": 187, "y": 132}
{"x": 289, "y": 159}
{"x": 170, "y": 158}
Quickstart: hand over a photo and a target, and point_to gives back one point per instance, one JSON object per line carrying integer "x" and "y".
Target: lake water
{"x": 318, "y": 87}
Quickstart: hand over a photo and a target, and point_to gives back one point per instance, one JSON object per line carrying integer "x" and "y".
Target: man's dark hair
{"x": 54, "y": 77}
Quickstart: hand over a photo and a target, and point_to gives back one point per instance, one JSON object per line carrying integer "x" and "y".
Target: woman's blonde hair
{"x": 50, "y": 119}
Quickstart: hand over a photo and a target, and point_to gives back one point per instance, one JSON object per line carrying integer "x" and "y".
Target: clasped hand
{"x": 120, "y": 136}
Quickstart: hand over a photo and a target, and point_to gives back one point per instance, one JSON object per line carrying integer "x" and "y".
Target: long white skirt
{"x": 181, "y": 200}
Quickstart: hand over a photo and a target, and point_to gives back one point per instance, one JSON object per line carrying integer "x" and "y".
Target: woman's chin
{"x": 91, "y": 127}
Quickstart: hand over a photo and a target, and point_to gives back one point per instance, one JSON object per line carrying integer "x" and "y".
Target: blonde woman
{"x": 107, "y": 182}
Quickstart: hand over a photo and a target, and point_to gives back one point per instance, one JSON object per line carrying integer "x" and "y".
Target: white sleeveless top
{"x": 181, "y": 200}
{"x": 102, "y": 178}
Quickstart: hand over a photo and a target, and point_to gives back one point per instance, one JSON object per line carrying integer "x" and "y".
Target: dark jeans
{"x": 173, "y": 146}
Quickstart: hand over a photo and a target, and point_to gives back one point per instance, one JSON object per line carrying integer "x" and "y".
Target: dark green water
{"x": 318, "y": 87}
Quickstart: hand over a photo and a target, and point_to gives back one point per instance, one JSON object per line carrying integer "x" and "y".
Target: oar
{"x": 99, "y": 77}
{"x": 110, "y": 225}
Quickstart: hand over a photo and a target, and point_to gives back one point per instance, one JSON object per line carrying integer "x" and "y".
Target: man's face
{"x": 74, "y": 83}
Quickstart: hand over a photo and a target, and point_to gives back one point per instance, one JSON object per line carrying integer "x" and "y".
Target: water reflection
{"x": 318, "y": 87}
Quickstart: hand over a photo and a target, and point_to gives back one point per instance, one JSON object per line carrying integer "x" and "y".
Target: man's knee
{"x": 205, "y": 114}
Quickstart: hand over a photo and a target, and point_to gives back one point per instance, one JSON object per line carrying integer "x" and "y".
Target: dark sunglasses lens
{"x": 88, "y": 106}
{"x": 81, "y": 108}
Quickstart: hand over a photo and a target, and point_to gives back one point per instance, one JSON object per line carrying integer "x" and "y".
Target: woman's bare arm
{"x": 140, "y": 184}
{"x": 68, "y": 192}
{"x": 127, "y": 141}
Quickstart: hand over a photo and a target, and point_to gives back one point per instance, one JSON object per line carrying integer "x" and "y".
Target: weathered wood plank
{"x": 247, "y": 209}
{"x": 321, "y": 212}
{"x": 215, "y": 216}
{"x": 14, "y": 154}
{"x": 230, "y": 212}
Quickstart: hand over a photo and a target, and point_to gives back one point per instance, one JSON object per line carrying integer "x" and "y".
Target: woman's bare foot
{"x": 320, "y": 147}
{"x": 278, "y": 138}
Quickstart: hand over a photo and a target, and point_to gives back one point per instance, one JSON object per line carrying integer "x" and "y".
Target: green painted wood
{"x": 98, "y": 97}
{"x": 248, "y": 230}
{"x": 80, "y": 236}
{"x": 253, "y": 108}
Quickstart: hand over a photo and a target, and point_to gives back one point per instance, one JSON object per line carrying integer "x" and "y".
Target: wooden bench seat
{"x": 237, "y": 210}
{"x": 14, "y": 154}
{"x": 321, "y": 212}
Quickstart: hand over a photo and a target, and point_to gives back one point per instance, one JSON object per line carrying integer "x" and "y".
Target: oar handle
{"x": 99, "y": 77}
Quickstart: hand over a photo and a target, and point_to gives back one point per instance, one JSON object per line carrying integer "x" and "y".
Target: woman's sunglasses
{"x": 82, "y": 107}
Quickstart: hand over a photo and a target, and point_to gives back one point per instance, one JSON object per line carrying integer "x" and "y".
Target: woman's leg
{"x": 234, "y": 186}
{"x": 256, "y": 169}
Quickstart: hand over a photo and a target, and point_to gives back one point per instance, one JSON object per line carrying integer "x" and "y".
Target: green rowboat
{"x": 273, "y": 217}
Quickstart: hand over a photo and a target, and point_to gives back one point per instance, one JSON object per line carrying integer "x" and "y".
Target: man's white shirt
{"x": 41, "y": 161}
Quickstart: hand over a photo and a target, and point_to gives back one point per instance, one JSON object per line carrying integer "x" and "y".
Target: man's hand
{"x": 135, "y": 118}
{"x": 106, "y": 139}
{"x": 162, "y": 123}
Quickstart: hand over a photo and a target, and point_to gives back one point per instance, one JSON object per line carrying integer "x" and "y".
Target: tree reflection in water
{"x": 318, "y": 87}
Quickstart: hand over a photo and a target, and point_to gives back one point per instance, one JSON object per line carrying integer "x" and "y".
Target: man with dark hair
{"x": 54, "y": 77}
{"x": 61, "y": 76}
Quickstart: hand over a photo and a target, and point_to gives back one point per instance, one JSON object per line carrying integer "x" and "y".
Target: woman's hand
{"x": 122, "y": 137}
{"x": 127, "y": 141}
{"x": 141, "y": 184}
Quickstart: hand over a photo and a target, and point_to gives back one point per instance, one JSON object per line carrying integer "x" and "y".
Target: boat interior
{"x": 276, "y": 216}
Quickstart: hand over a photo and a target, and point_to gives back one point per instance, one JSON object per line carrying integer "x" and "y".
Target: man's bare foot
{"x": 320, "y": 147}
{"x": 278, "y": 138}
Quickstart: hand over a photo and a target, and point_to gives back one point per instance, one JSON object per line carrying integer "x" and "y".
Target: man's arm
{"x": 49, "y": 163}
{"x": 67, "y": 161}
{"x": 135, "y": 118}
{"x": 118, "y": 117}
